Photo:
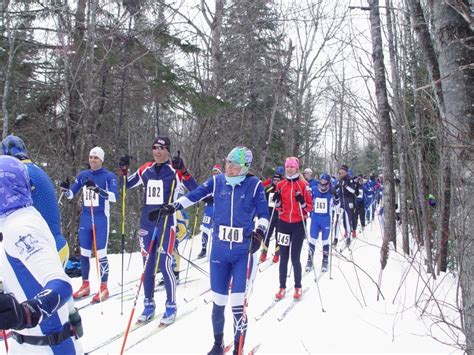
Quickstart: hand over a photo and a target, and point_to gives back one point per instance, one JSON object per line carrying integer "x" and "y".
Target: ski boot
{"x": 309, "y": 265}
{"x": 102, "y": 295}
{"x": 276, "y": 258}
{"x": 263, "y": 256}
{"x": 324, "y": 266}
{"x": 83, "y": 291}
{"x": 334, "y": 242}
{"x": 148, "y": 312}
{"x": 348, "y": 242}
{"x": 298, "y": 293}
{"x": 280, "y": 294}
{"x": 170, "y": 314}
{"x": 217, "y": 349}
{"x": 202, "y": 254}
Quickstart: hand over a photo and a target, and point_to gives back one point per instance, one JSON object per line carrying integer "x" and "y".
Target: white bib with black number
{"x": 320, "y": 205}
{"x": 154, "y": 192}
{"x": 231, "y": 234}
{"x": 206, "y": 219}
{"x": 90, "y": 197}
{"x": 271, "y": 203}
{"x": 283, "y": 239}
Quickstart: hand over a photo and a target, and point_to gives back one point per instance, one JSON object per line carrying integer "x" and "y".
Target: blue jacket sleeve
{"x": 261, "y": 206}
{"x": 53, "y": 296}
{"x": 197, "y": 194}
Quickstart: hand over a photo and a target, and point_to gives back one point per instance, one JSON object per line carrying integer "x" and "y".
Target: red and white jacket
{"x": 289, "y": 209}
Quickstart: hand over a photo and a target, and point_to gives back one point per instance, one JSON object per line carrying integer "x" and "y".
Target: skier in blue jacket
{"x": 238, "y": 198}
{"x": 99, "y": 188}
{"x": 162, "y": 184}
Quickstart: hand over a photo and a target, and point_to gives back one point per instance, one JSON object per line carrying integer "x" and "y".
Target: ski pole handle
{"x": 60, "y": 198}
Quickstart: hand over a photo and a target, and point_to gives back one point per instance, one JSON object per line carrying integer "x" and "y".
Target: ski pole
{"x": 94, "y": 245}
{"x": 131, "y": 249}
{"x": 124, "y": 195}
{"x": 196, "y": 266}
{"x": 164, "y": 230}
{"x": 5, "y": 339}
{"x": 192, "y": 242}
{"x": 145, "y": 264}
{"x": 314, "y": 269}
{"x": 250, "y": 263}
{"x": 333, "y": 222}
{"x": 60, "y": 198}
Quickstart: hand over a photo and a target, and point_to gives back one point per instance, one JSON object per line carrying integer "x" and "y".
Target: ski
{"x": 187, "y": 300}
{"x": 266, "y": 266}
{"x": 112, "y": 295}
{"x": 120, "y": 335}
{"x": 254, "y": 349}
{"x": 291, "y": 306}
{"x": 228, "y": 347}
{"x": 275, "y": 302}
{"x": 161, "y": 327}
{"x": 160, "y": 288}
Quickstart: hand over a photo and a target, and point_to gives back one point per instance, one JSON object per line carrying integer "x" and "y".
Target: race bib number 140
{"x": 231, "y": 234}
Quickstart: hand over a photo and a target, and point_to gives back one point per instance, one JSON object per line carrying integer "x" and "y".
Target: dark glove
{"x": 14, "y": 315}
{"x": 178, "y": 163}
{"x": 300, "y": 198}
{"x": 124, "y": 163}
{"x": 208, "y": 200}
{"x": 92, "y": 186}
{"x": 64, "y": 185}
{"x": 277, "y": 196}
{"x": 257, "y": 237}
{"x": 163, "y": 210}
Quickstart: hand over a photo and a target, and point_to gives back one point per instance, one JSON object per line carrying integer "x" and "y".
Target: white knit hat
{"x": 98, "y": 152}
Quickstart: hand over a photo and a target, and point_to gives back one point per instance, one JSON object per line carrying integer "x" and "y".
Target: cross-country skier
{"x": 44, "y": 200}
{"x": 162, "y": 184}
{"x": 208, "y": 215}
{"x": 238, "y": 198}
{"x": 346, "y": 192}
{"x": 269, "y": 192}
{"x": 99, "y": 188}
{"x": 359, "y": 210}
{"x": 35, "y": 286}
{"x": 293, "y": 202}
{"x": 321, "y": 219}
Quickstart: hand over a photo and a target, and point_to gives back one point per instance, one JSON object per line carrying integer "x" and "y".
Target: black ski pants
{"x": 296, "y": 231}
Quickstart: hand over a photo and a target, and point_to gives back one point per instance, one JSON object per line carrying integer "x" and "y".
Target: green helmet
{"x": 241, "y": 156}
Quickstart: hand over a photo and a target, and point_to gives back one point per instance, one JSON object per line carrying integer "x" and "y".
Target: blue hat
{"x": 14, "y": 185}
{"x": 14, "y": 146}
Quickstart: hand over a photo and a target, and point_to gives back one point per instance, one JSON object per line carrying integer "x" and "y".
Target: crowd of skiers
{"x": 242, "y": 215}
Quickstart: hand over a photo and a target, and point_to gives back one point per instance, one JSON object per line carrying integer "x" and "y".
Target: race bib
{"x": 361, "y": 193}
{"x": 283, "y": 239}
{"x": 320, "y": 205}
{"x": 231, "y": 234}
{"x": 206, "y": 219}
{"x": 90, "y": 197}
{"x": 154, "y": 192}
{"x": 271, "y": 203}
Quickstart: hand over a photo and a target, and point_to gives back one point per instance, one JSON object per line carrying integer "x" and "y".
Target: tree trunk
{"x": 11, "y": 35}
{"x": 383, "y": 113}
{"x": 455, "y": 42}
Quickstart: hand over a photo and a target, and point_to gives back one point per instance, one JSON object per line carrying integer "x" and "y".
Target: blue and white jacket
{"x": 234, "y": 207}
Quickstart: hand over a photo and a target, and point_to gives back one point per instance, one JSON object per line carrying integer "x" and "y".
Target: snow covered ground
{"x": 353, "y": 321}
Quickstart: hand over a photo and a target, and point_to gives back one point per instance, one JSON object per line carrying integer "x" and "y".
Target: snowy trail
{"x": 347, "y": 326}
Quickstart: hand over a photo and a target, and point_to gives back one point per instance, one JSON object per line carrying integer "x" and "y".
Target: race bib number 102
{"x": 231, "y": 234}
